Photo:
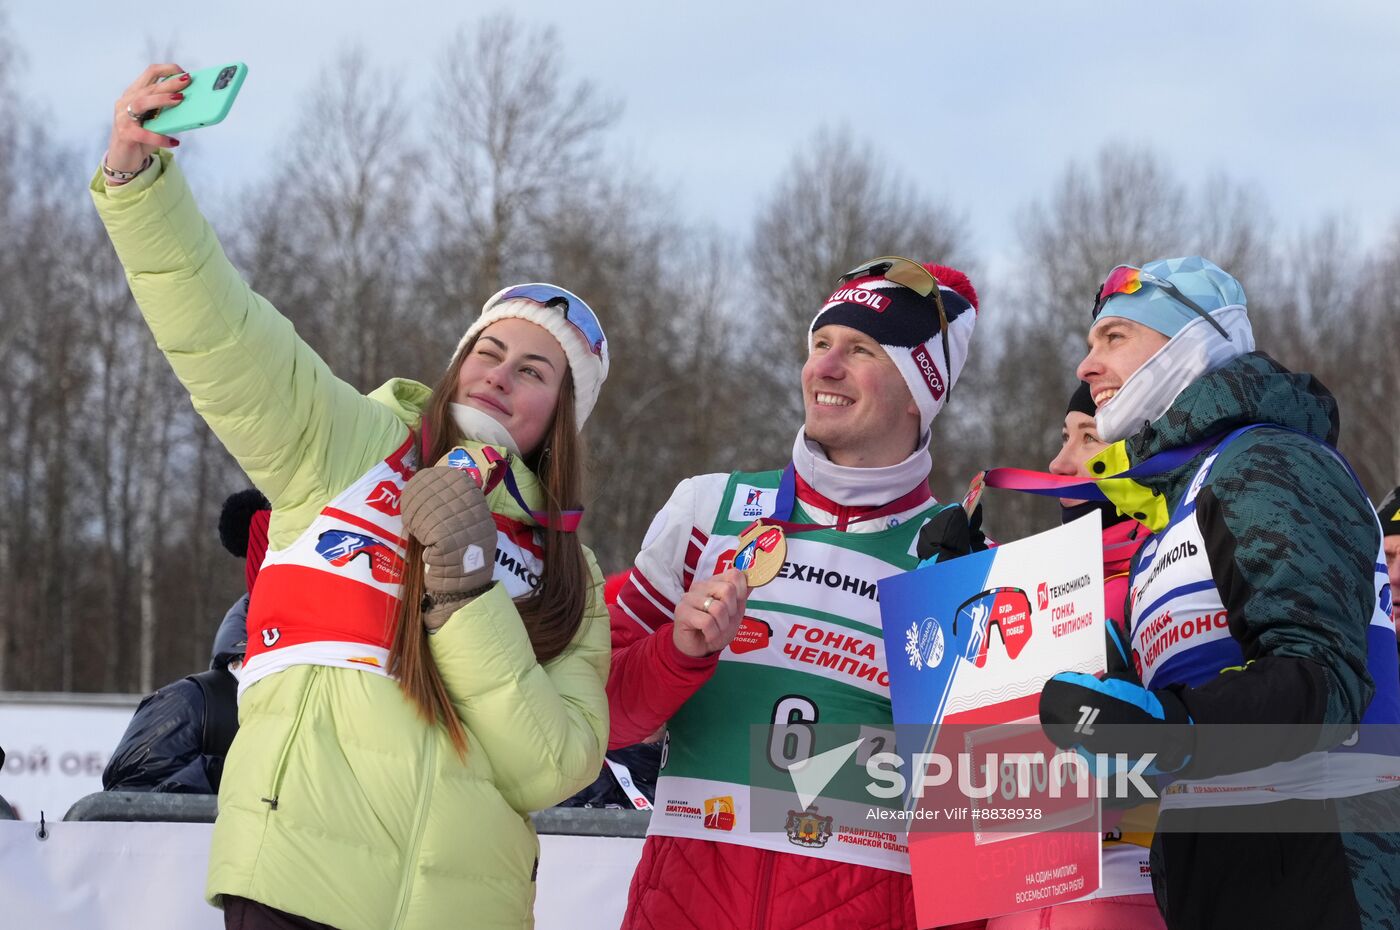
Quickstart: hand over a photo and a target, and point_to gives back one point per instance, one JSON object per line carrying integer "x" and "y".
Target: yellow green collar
{"x": 1132, "y": 499}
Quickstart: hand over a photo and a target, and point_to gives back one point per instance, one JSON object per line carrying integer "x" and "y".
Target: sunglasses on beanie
{"x": 1125, "y": 279}
{"x": 910, "y": 274}
{"x": 576, "y": 311}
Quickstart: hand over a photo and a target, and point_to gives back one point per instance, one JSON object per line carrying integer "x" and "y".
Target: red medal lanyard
{"x": 1074, "y": 487}
{"x": 787, "y": 498}
{"x": 568, "y": 519}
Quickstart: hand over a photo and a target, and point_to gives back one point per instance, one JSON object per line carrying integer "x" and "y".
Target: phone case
{"x": 203, "y": 105}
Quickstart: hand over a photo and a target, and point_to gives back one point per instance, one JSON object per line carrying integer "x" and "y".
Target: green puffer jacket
{"x": 377, "y": 823}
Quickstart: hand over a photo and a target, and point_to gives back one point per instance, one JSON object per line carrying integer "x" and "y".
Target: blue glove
{"x": 1116, "y": 718}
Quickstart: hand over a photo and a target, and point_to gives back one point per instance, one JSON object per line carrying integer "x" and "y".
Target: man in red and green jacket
{"x": 699, "y": 652}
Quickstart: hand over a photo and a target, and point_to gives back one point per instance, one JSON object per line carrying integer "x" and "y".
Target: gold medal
{"x": 479, "y": 467}
{"x": 761, "y": 553}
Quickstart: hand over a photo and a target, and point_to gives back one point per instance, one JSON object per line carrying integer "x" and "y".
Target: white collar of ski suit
{"x": 480, "y": 426}
{"x": 1196, "y": 350}
{"x": 859, "y": 487}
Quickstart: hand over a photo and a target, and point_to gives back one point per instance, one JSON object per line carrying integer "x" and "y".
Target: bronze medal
{"x": 761, "y": 553}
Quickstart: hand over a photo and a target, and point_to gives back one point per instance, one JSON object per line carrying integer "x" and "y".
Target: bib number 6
{"x": 792, "y": 737}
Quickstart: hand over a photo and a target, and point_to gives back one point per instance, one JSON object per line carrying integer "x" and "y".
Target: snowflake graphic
{"x": 911, "y": 646}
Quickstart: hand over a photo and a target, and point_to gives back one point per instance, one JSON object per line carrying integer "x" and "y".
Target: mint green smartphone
{"x": 208, "y": 97}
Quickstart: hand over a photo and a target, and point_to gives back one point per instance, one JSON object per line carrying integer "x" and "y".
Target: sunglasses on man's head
{"x": 910, "y": 274}
{"x": 1125, "y": 279}
{"x": 576, "y": 311}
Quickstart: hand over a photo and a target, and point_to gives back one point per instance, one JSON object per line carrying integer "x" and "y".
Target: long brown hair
{"x": 551, "y": 613}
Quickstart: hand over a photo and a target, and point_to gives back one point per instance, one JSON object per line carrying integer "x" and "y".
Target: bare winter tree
{"x": 1373, "y": 390}
{"x": 1230, "y": 224}
{"x": 520, "y": 191}
{"x": 11, "y": 414}
{"x": 49, "y": 372}
{"x": 1331, "y": 311}
{"x": 333, "y": 239}
{"x": 513, "y": 137}
{"x": 837, "y": 205}
{"x": 676, "y": 400}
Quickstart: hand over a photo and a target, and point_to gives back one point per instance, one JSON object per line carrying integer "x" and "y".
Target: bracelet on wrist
{"x": 121, "y": 177}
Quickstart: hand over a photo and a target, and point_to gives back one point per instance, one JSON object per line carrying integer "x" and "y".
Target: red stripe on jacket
{"x": 291, "y": 610}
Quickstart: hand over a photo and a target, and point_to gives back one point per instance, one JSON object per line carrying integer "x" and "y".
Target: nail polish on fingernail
{"x": 177, "y": 97}
{"x": 173, "y": 140}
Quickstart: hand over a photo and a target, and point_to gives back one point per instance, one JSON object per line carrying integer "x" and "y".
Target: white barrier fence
{"x": 150, "y": 876}
{"x": 120, "y": 875}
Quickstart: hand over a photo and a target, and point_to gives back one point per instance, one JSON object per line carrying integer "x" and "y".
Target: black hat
{"x": 237, "y": 511}
{"x": 1389, "y": 513}
{"x": 1082, "y": 401}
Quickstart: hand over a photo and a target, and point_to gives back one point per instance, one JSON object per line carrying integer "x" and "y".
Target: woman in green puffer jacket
{"x": 428, "y": 646}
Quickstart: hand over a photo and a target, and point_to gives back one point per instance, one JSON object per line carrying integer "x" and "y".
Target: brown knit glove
{"x": 446, "y": 511}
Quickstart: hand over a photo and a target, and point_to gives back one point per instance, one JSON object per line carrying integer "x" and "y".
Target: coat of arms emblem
{"x": 807, "y": 828}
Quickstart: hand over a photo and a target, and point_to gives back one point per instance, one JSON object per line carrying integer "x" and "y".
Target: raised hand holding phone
{"x": 166, "y": 99}
{"x": 131, "y": 143}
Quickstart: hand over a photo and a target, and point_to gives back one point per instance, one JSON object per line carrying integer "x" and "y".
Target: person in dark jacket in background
{"x": 178, "y": 737}
{"x": 628, "y": 777}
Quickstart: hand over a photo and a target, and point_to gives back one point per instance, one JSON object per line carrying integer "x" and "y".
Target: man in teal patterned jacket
{"x": 1262, "y": 598}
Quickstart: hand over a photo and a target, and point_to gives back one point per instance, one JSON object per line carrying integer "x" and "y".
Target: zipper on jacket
{"x": 420, "y": 817}
{"x": 281, "y": 769}
{"x": 761, "y": 904}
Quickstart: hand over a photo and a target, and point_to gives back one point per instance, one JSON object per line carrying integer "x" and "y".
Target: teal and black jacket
{"x": 1291, "y": 541}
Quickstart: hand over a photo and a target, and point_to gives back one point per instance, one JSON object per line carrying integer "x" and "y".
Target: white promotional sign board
{"x": 56, "y": 747}
{"x": 973, "y": 641}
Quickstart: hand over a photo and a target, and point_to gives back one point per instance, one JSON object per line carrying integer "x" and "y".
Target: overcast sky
{"x": 983, "y": 103}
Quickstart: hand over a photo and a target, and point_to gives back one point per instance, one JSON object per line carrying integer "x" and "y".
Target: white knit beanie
{"x": 589, "y": 368}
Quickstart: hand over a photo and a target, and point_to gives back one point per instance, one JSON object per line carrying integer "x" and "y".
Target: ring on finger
{"x": 135, "y": 117}
{"x": 709, "y": 599}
